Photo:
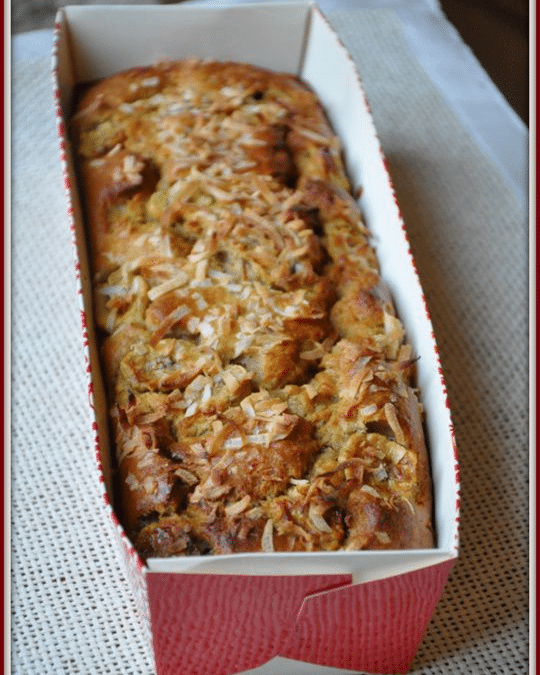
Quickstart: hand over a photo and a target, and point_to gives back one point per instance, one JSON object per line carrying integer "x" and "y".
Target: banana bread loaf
{"x": 261, "y": 387}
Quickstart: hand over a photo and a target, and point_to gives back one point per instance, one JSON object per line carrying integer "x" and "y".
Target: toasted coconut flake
{"x": 267, "y": 539}
{"x": 314, "y": 136}
{"x": 150, "y": 485}
{"x": 267, "y": 407}
{"x": 255, "y": 513}
{"x": 243, "y": 342}
{"x": 362, "y": 362}
{"x": 238, "y": 507}
{"x": 132, "y": 168}
{"x": 352, "y": 386}
{"x": 166, "y": 325}
{"x": 207, "y": 393}
{"x": 200, "y": 270}
{"x": 371, "y": 491}
{"x": 409, "y": 504}
{"x": 170, "y": 285}
{"x": 311, "y": 390}
{"x": 247, "y": 139}
{"x": 317, "y": 519}
{"x": 150, "y": 81}
{"x": 258, "y": 439}
{"x": 90, "y": 108}
{"x": 114, "y": 150}
{"x": 217, "y": 491}
{"x": 193, "y": 324}
{"x": 206, "y": 329}
{"x": 217, "y": 426}
{"x": 113, "y": 290}
{"x": 368, "y": 410}
{"x": 246, "y": 406}
{"x": 220, "y": 276}
{"x": 230, "y": 380}
{"x": 188, "y": 477}
{"x": 150, "y": 418}
{"x": 192, "y": 409}
{"x": 132, "y": 482}
{"x": 281, "y": 427}
{"x": 111, "y": 321}
{"x": 234, "y": 288}
{"x": 394, "y": 332}
{"x": 382, "y": 537}
{"x": 396, "y": 452}
{"x": 177, "y": 314}
{"x": 405, "y": 354}
{"x": 391, "y": 416}
{"x": 200, "y": 302}
{"x": 313, "y": 354}
{"x": 233, "y": 443}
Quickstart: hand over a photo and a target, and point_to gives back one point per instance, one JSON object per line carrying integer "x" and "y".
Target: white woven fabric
{"x": 72, "y": 610}
{"x": 470, "y": 242}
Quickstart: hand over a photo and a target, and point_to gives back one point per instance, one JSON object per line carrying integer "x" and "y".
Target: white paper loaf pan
{"x": 96, "y": 41}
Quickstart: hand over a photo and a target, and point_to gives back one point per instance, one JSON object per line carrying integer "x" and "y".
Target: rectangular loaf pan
{"x": 96, "y": 41}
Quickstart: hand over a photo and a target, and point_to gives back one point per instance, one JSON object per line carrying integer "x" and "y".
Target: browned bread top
{"x": 260, "y": 383}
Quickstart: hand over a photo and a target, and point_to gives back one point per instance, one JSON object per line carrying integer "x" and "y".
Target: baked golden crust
{"x": 259, "y": 380}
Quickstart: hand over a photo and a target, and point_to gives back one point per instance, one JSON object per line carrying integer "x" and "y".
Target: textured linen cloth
{"x": 72, "y": 609}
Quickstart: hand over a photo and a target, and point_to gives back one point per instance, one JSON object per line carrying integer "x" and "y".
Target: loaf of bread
{"x": 261, "y": 387}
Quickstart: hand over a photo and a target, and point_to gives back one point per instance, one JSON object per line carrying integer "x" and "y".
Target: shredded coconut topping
{"x": 259, "y": 376}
